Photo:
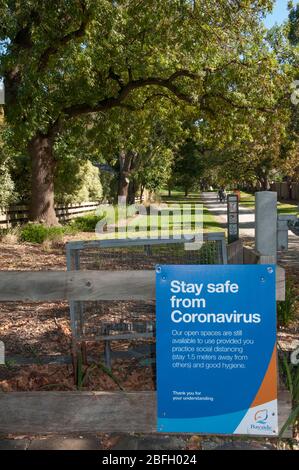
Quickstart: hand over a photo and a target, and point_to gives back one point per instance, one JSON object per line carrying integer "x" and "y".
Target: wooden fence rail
{"x": 73, "y": 412}
{"x": 19, "y": 214}
{"x": 87, "y": 285}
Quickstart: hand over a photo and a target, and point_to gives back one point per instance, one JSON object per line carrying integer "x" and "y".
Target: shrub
{"x": 10, "y": 235}
{"x": 85, "y": 223}
{"x": 38, "y": 233}
{"x": 207, "y": 253}
{"x": 286, "y": 310}
{"x": 6, "y": 187}
{"x": 77, "y": 181}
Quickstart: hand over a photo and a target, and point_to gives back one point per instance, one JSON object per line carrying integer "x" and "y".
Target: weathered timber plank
{"x": 67, "y": 412}
{"x": 235, "y": 252}
{"x": 77, "y": 285}
{"x": 284, "y": 410}
{"x": 280, "y": 283}
{"x": 46, "y": 412}
{"x": 87, "y": 285}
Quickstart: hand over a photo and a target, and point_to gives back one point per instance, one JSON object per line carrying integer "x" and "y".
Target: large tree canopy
{"x": 64, "y": 60}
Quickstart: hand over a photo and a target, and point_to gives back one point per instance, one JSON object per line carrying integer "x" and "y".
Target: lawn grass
{"x": 284, "y": 208}
{"x": 166, "y": 224}
{"x": 248, "y": 200}
{"x": 210, "y": 223}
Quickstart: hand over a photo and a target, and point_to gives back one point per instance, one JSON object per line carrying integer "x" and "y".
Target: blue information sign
{"x": 216, "y": 349}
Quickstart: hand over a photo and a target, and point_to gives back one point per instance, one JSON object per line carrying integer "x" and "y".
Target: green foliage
{"x": 7, "y": 186}
{"x": 290, "y": 376}
{"x": 109, "y": 186}
{"x": 294, "y": 25}
{"x": 188, "y": 166}
{"x": 84, "y": 373}
{"x": 76, "y": 181}
{"x": 38, "y": 233}
{"x": 154, "y": 172}
{"x": 207, "y": 253}
{"x": 147, "y": 141}
{"x": 71, "y": 62}
{"x": 7, "y": 195}
{"x": 21, "y": 176}
{"x": 85, "y": 223}
{"x": 286, "y": 310}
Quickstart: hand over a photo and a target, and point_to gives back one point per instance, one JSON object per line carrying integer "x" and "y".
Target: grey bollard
{"x": 266, "y": 225}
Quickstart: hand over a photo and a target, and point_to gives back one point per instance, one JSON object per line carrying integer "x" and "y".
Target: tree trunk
{"x": 289, "y": 183}
{"x": 126, "y": 164}
{"x": 42, "y": 192}
{"x": 141, "y": 193}
{"x": 132, "y": 192}
{"x": 264, "y": 182}
{"x": 123, "y": 186}
{"x": 123, "y": 180}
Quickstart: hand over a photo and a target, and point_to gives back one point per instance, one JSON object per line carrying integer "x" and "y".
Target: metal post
{"x": 266, "y": 226}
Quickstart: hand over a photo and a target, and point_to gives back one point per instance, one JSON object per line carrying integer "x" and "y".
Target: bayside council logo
{"x": 261, "y": 421}
{"x": 261, "y": 416}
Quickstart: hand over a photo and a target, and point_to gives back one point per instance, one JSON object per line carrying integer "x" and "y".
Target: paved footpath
{"x": 219, "y": 211}
{"x": 247, "y": 224}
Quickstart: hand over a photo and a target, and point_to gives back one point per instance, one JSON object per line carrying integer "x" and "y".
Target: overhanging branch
{"x": 125, "y": 90}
